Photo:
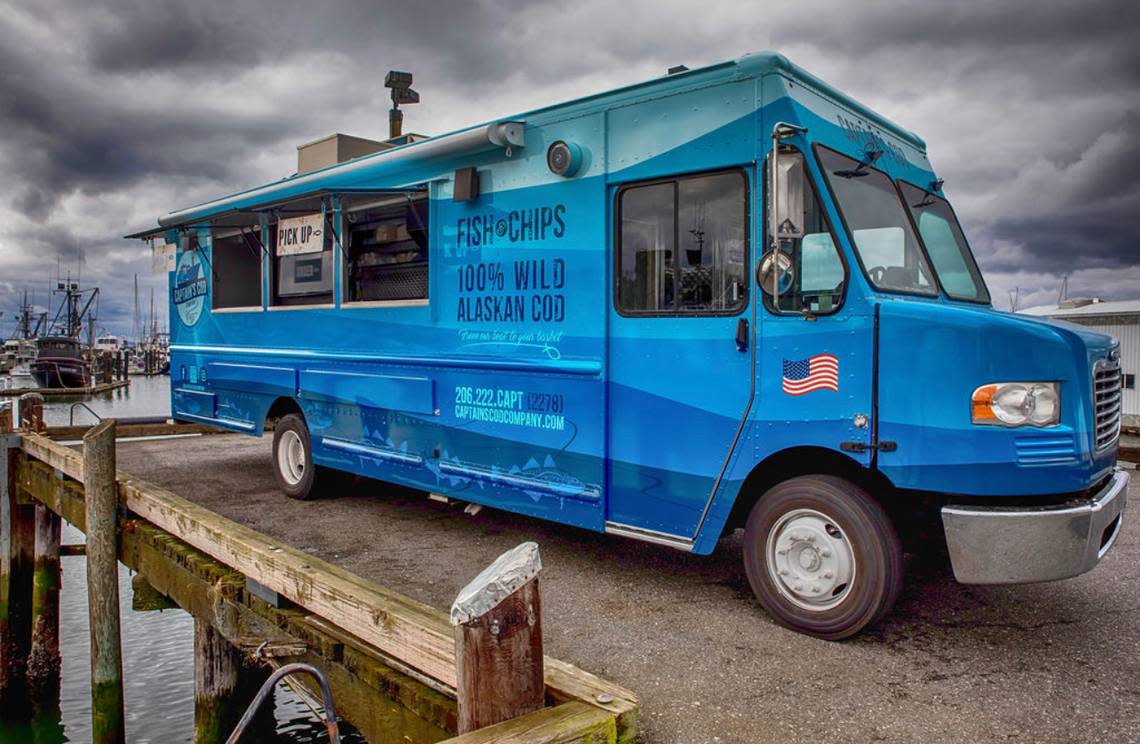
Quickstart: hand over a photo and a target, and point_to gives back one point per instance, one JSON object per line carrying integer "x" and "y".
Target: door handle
{"x": 742, "y": 334}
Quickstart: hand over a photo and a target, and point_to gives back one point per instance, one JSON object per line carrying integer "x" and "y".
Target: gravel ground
{"x": 1037, "y": 663}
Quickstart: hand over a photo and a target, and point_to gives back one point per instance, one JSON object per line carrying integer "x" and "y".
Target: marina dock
{"x": 682, "y": 630}
{"x": 389, "y": 660}
{"x": 102, "y": 387}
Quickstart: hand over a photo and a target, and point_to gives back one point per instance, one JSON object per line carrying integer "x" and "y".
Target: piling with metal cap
{"x": 498, "y": 641}
{"x": 101, "y": 492}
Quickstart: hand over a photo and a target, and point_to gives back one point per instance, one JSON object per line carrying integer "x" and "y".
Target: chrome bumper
{"x": 994, "y": 545}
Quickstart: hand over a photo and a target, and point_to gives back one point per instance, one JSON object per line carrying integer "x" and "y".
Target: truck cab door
{"x": 815, "y": 348}
{"x": 679, "y": 373}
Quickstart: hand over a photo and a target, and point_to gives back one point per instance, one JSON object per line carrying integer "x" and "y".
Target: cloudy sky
{"x": 112, "y": 113}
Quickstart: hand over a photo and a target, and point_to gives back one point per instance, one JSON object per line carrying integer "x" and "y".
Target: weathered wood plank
{"x": 569, "y": 723}
{"x": 125, "y": 431}
{"x": 100, "y": 388}
{"x": 409, "y": 631}
{"x": 566, "y": 683}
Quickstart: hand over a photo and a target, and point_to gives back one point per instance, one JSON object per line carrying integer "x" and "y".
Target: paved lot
{"x": 1039, "y": 663}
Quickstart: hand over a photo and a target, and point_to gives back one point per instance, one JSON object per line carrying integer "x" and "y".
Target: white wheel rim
{"x": 291, "y": 457}
{"x": 810, "y": 560}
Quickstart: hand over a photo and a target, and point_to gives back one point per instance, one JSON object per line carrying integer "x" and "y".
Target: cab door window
{"x": 682, "y": 246}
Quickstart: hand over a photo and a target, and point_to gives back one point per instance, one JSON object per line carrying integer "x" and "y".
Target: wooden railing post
{"x": 102, "y": 496}
{"x": 498, "y": 641}
{"x": 17, "y": 545}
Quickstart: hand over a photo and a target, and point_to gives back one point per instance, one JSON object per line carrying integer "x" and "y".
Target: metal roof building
{"x": 1120, "y": 319}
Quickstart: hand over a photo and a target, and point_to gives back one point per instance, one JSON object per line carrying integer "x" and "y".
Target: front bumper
{"x": 995, "y": 545}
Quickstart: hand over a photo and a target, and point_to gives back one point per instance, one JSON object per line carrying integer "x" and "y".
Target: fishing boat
{"x": 60, "y": 363}
{"x": 60, "y": 360}
{"x": 20, "y": 348}
{"x": 19, "y": 353}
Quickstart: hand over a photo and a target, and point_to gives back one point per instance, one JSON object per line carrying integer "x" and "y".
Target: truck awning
{"x": 306, "y": 203}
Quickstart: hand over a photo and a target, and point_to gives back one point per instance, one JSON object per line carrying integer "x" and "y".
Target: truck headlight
{"x": 1016, "y": 404}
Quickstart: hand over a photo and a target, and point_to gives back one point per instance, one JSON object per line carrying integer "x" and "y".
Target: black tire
{"x": 829, "y": 530}
{"x": 308, "y": 481}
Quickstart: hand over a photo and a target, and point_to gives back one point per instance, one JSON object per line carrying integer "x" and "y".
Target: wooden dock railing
{"x": 256, "y": 594}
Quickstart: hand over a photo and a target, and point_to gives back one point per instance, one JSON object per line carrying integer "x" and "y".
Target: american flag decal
{"x": 819, "y": 372}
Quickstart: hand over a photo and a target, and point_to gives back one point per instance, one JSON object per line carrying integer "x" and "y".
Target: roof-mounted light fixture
{"x": 401, "y": 85}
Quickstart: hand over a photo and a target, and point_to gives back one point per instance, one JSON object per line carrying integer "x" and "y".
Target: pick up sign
{"x": 304, "y": 234}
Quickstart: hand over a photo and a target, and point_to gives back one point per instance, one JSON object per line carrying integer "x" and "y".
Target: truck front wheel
{"x": 822, "y": 556}
{"x": 293, "y": 464}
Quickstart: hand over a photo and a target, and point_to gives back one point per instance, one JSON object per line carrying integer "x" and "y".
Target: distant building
{"x": 1120, "y": 319}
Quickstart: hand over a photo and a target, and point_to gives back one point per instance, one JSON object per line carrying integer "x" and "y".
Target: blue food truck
{"x": 730, "y": 297}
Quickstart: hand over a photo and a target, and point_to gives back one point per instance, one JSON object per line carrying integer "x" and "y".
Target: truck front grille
{"x": 1106, "y": 402}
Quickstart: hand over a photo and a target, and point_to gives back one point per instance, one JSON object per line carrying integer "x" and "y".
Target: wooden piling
{"x": 217, "y": 672}
{"x": 17, "y": 547}
{"x": 32, "y": 412}
{"x": 101, "y": 493}
{"x": 498, "y": 641}
{"x": 44, "y": 659}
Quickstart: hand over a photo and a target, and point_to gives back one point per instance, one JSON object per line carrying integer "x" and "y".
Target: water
{"x": 145, "y": 396}
{"x": 158, "y": 646}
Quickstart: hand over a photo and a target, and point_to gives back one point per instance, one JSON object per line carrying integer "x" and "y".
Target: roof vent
{"x": 1075, "y": 302}
{"x": 676, "y": 69}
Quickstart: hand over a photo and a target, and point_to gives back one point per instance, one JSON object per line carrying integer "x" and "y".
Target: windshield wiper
{"x": 929, "y": 198}
{"x": 869, "y": 158}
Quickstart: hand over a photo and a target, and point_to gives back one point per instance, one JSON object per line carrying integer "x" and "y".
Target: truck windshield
{"x": 883, "y": 236}
{"x": 945, "y": 244}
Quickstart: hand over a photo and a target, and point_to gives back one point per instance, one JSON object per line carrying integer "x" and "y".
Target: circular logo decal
{"x": 189, "y": 288}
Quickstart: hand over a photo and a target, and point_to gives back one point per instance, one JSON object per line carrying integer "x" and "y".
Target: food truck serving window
{"x": 303, "y": 278}
{"x": 386, "y": 252}
{"x": 236, "y": 270}
{"x": 683, "y": 246}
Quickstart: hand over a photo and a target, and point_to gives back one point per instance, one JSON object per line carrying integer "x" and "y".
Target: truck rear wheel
{"x": 822, "y": 556}
{"x": 293, "y": 464}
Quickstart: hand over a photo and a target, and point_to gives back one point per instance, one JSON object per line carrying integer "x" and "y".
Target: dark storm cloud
{"x": 158, "y": 36}
{"x": 114, "y": 113}
{"x": 62, "y": 134}
{"x": 69, "y": 128}
{"x": 1040, "y": 133}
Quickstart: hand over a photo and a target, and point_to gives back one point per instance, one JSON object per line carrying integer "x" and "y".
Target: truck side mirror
{"x": 785, "y": 213}
{"x": 775, "y": 273}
